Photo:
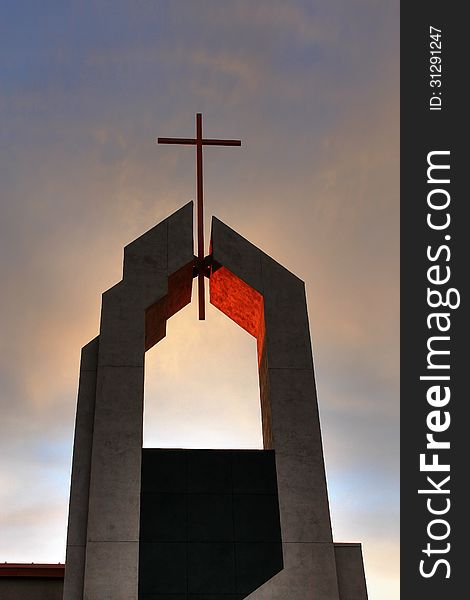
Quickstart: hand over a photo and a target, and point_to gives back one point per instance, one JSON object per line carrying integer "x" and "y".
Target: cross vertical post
{"x": 200, "y": 219}
{"x": 199, "y": 142}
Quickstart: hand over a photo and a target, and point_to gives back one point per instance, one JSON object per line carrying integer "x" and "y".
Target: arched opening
{"x": 205, "y": 469}
{"x": 201, "y": 385}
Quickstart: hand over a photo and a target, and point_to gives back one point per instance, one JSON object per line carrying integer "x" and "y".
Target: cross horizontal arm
{"x": 162, "y": 140}
{"x": 205, "y": 141}
{"x": 209, "y": 142}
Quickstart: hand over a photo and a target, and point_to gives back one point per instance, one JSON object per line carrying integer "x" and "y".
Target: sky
{"x": 311, "y": 88}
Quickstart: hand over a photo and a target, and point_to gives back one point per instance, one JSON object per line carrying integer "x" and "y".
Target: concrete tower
{"x": 150, "y": 524}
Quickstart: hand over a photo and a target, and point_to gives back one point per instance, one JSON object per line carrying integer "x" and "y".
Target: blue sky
{"x": 312, "y": 90}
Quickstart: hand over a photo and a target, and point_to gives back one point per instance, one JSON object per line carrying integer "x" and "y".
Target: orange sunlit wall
{"x": 240, "y": 302}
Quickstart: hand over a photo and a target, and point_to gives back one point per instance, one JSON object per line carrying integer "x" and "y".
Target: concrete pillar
{"x": 81, "y": 467}
{"x": 351, "y": 576}
{"x": 269, "y": 302}
{"x": 157, "y": 282}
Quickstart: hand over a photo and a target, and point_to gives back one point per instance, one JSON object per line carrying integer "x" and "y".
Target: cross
{"x": 199, "y": 142}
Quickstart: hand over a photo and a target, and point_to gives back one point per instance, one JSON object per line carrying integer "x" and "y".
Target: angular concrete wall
{"x": 103, "y": 539}
{"x": 81, "y": 468}
{"x": 351, "y": 576}
{"x": 269, "y": 302}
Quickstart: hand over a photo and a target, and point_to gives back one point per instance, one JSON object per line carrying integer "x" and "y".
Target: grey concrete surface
{"x": 288, "y": 375}
{"x": 80, "y": 480}
{"x": 103, "y": 538}
{"x": 111, "y": 570}
{"x": 307, "y": 575}
{"x": 291, "y": 422}
{"x": 296, "y": 437}
{"x": 351, "y": 576}
{"x": 288, "y": 344}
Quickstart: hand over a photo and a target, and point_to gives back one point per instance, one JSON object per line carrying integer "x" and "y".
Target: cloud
{"x": 202, "y": 385}
{"x": 312, "y": 90}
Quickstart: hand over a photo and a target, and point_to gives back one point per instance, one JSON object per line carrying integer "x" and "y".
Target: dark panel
{"x": 215, "y": 597}
{"x": 211, "y": 568}
{"x": 162, "y": 568}
{"x": 195, "y": 506}
{"x": 256, "y": 518}
{"x": 191, "y": 597}
{"x": 164, "y": 517}
{"x": 164, "y": 471}
{"x": 210, "y": 471}
{"x": 254, "y": 472}
{"x": 256, "y": 564}
{"x": 210, "y": 518}
{"x": 163, "y": 597}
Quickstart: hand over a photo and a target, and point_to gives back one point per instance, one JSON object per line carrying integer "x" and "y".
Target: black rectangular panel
{"x": 210, "y": 524}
